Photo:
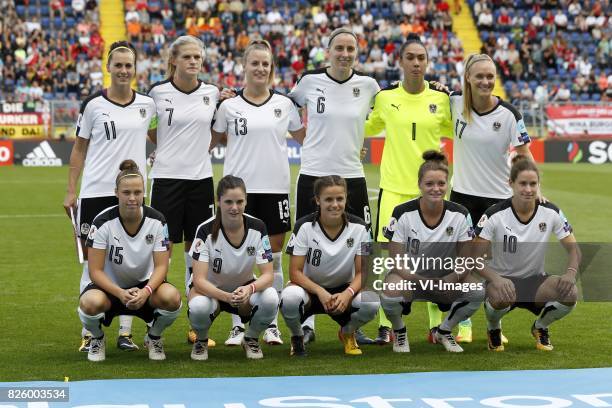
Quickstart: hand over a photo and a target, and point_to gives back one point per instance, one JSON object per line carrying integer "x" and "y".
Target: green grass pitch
{"x": 40, "y": 329}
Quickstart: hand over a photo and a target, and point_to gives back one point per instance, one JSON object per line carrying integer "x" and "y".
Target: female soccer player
{"x": 432, "y": 226}
{"x": 414, "y": 116}
{"x": 517, "y": 231}
{"x": 182, "y": 187}
{"x": 255, "y": 124}
{"x": 334, "y": 135}
{"x": 325, "y": 268}
{"x": 224, "y": 252}
{"x": 485, "y": 128}
{"x": 128, "y": 265}
{"x": 112, "y": 127}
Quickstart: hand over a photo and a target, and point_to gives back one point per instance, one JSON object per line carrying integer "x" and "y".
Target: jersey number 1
{"x": 240, "y": 126}
{"x": 463, "y": 125}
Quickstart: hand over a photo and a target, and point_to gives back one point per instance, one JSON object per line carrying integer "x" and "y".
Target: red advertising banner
{"x": 6, "y": 152}
{"x": 580, "y": 121}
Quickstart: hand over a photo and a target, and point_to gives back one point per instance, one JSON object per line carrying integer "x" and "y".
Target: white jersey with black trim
{"x": 183, "y": 130}
{"x": 481, "y": 148}
{"x": 337, "y": 111}
{"x": 116, "y": 133}
{"x": 330, "y": 262}
{"x": 257, "y": 140}
{"x": 408, "y": 226}
{"x": 518, "y": 249}
{"x": 230, "y": 266}
{"x": 129, "y": 258}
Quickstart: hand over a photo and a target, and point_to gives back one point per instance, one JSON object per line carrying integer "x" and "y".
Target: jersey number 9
{"x": 217, "y": 262}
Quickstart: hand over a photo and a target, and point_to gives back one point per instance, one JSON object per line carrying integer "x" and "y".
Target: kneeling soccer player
{"x": 517, "y": 230}
{"x": 224, "y": 252}
{"x": 437, "y": 229}
{"x": 128, "y": 265}
{"x": 325, "y": 268}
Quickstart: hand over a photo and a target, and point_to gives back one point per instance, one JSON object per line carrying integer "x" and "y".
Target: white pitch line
{"x": 32, "y": 216}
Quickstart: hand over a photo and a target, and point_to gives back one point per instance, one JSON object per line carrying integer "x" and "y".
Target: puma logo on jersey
{"x": 413, "y": 231}
{"x": 315, "y": 241}
{"x": 509, "y": 229}
{"x": 238, "y": 113}
{"x": 218, "y": 250}
{"x": 321, "y": 90}
{"x": 105, "y": 114}
{"x": 116, "y": 239}
{"x": 168, "y": 100}
{"x": 396, "y": 106}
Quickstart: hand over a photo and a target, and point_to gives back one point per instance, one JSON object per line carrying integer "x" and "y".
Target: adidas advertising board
{"x": 41, "y": 156}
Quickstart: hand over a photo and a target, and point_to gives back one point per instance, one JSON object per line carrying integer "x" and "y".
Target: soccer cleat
{"x": 495, "y": 341}
{"x": 384, "y": 335}
{"x": 464, "y": 335}
{"x": 192, "y": 337}
{"x": 298, "y": 348}
{"x": 362, "y": 339}
{"x": 125, "y": 342}
{"x": 156, "y": 348}
{"x": 235, "y": 336}
{"x": 447, "y": 340}
{"x": 542, "y": 339}
{"x": 199, "y": 351}
{"x": 400, "y": 341}
{"x": 350, "y": 344}
{"x": 97, "y": 349}
{"x": 251, "y": 346}
{"x": 309, "y": 335}
{"x": 504, "y": 339}
{"x": 85, "y": 342}
{"x": 272, "y": 336}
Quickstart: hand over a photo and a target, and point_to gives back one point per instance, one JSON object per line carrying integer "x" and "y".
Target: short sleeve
{"x": 98, "y": 237}
{"x": 162, "y": 240}
{"x": 466, "y": 230}
{"x": 295, "y": 122}
{"x": 485, "y": 228}
{"x": 562, "y": 227}
{"x": 375, "y": 122}
{"x": 84, "y": 121}
{"x": 375, "y": 91}
{"x": 518, "y": 132}
{"x": 298, "y": 243}
{"x": 395, "y": 229}
{"x": 220, "y": 125}
{"x": 446, "y": 126}
{"x": 199, "y": 249}
{"x": 298, "y": 94}
{"x": 365, "y": 242}
{"x": 264, "y": 249}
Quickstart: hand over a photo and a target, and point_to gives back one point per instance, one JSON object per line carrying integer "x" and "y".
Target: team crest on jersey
{"x": 84, "y": 228}
{"x": 350, "y": 242}
{"x": 450, "y": 231}
{"x": 496, "y": 126}
{"x": 143, "y": 113}
{"x": 356, "y": 92}
{"x": 251, "y": 251}
{"x": 206, "y": 100}
{"x": 149, "y": 238}
{"x": 277, "y": 113}
{"x": 542, "y": 226}
{"x": 433, "y": 108}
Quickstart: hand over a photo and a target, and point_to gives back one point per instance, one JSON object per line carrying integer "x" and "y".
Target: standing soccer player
{"x": 337, "y": 100}
{"x": 128, "y": 262}
{"x": 256, "y": 123}
{"x": 112, "y": 126}
{"x": 414, "y": 117}
{"x": 182, "y": 187}
{"x": 517, "y": 231}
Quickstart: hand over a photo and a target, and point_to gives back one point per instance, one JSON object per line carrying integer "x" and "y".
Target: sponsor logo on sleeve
{"x": 482, "y": 220}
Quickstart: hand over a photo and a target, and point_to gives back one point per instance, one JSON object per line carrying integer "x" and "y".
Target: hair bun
{"x": 128, "y": 164}
{"x": 519, "y": 157}
{"x": 413, "y": 36}
{"x": 433, "y": 155}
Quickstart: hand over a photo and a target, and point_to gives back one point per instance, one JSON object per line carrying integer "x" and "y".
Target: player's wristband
{"x": 572, "y": 269}
{"x": 253, "y": 288}
{"x": 351, "y": 290}
{"x": 148, "y": 288}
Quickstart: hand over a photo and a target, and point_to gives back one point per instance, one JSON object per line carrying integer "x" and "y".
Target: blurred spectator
{"x": 563, "y": 94}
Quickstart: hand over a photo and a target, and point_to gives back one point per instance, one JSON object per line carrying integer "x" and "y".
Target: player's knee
{"x": 167, "y": 297}
{"x": 200, "y": 307}
{"x": 291, "y": 298}
{"x": 268, "y": 301}
{"x": 498, "y": 304}
{"x": 92, "y": 302}
{"x": 368, "y": 304}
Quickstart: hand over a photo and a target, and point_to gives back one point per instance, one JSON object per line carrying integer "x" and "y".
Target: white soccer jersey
{"x": 336, "y": 114}
{"x": 183, "y": 130}
{"x": 330, "y": 262}
{"x": 481, "y": 148}
{"x": 230, "y": 266}
{"x": 518, "y": 249}
{"x": 129, "y": 258}
{"x": 408, "y": 226}
{"x": 116, "y": 133}
{"x": 257, "y": 140}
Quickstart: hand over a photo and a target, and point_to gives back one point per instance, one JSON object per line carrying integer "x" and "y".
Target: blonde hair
{"x": 262, "y": 45}
{"x": 175, "y": 49}
{"x": 467, "y": 88}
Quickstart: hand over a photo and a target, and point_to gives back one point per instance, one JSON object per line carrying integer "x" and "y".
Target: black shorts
{"x": 185, "y": 204}
{"x": 89, "y": 208}
{"x": 357, "y": 204}
{"x": 146, "y": 312}
{"x": 475, "y": 205}
{"x": 526, "y": 290}
{"x": 317, "y": 308}
{"x": 273, "y": 209}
